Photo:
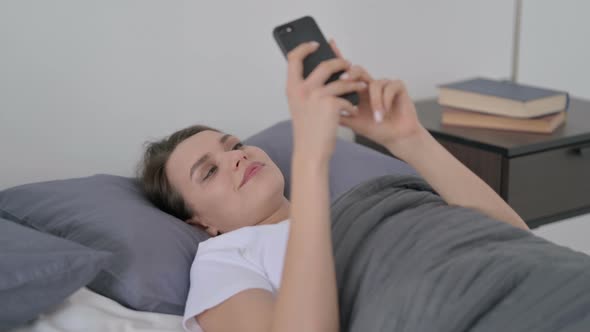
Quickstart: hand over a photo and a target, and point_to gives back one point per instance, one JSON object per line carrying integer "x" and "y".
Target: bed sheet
{"x": 88, "y": 311}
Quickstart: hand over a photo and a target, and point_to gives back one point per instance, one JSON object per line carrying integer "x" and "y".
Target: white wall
{"x": 555, "y": 45}
{"x": 84, "y": 83}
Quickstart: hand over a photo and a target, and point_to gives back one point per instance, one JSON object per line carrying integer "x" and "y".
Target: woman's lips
{"x": 250, "y": 171}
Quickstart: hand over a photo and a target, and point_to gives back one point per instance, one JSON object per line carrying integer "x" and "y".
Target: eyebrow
{"x": 207, "y": 155}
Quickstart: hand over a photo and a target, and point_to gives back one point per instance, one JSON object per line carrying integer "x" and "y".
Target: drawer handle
{"x": 583, "y": 151}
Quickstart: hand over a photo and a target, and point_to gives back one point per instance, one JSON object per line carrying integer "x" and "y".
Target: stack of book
{"x": 503, "y": 105}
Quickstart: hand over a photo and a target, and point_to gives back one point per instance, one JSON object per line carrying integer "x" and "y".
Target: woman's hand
{"x": 315, "y": 108}
{"x": 386, "y": 113}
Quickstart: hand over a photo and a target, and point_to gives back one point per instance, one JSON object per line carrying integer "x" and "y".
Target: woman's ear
{"x": 195, "y": 221}
{"x": 213, "y": 231}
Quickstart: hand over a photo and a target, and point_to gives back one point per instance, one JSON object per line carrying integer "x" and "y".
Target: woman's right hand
{"x": 387, "y": 114}
{"x": 315, "y": 106}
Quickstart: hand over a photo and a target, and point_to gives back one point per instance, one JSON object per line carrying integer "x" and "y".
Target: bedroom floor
{"x": 572, "y": 232}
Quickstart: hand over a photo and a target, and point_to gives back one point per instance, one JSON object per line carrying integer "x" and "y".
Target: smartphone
{"x": 305, "y": 29}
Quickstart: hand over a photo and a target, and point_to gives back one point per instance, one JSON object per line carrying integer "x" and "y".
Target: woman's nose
{"x": 238, "y": 157}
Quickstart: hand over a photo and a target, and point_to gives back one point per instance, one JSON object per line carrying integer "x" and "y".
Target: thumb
{"x": 335, "y": 48}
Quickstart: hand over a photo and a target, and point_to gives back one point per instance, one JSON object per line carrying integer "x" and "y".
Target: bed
{"x": 88, "y": 311}
{"x": 80, "y": 253}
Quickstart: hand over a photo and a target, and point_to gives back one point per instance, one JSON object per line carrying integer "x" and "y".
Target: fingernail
{"x": 344, "y": 76}
{"x": 315, "y": 43}
{"x": 378, "y": 115}
{"x": 344, "y": 113}
{"x": 362, "y": 85}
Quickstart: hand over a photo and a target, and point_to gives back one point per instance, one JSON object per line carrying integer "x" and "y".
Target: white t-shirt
{"x": 249, "y": 257}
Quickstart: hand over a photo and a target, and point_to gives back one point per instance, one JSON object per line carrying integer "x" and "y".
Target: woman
{"x": 212, "y": 181}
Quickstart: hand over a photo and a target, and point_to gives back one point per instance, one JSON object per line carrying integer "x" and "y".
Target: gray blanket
{"x": 407, "y": 261}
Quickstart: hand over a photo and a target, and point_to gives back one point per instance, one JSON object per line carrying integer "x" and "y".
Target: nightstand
{"x": 543, "y": 177}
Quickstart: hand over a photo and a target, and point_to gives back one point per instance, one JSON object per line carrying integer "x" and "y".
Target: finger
{"x": 376, "y": 97}
{"x": 335, "y": 48}
{"x": 322, "y": 73}
{"x": 353, "y": 121}
{"x": 357, "y": 73}
{"x": 348, "y": 120}
{"x": 295, "y": 59}
{"x": 344, "y": 107}
{"x": 390, "y": 91}
{"x": 338, "y": 88}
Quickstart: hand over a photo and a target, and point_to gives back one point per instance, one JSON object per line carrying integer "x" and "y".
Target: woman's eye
{"x": 213, "y": 169}
{"x": 211, "y": 172}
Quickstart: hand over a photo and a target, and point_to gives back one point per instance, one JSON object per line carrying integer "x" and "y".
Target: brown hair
{"x": 152, "y": 175}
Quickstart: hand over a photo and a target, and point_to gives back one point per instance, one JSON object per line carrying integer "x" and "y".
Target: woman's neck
{"x": 279, "y": 215}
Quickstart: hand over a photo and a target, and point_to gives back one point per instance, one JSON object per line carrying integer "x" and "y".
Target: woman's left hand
{"x": 386, "y": 113}
{"x": 315, "y": 106}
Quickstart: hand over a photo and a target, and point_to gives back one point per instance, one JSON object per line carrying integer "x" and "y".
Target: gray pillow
{"x": 38, "y": 271}
{"x": 351, "y": 163}
{"x": 153, "y": 250}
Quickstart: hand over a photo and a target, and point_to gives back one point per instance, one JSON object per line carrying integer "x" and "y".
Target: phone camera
{"x": 285, "y": 29}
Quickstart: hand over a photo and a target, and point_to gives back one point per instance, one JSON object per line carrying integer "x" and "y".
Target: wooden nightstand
{"x": 543, "y": 177}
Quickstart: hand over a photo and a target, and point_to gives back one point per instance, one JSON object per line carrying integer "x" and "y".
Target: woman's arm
{"x": 455, "y": 182}
{"x": 308, "y": 297}
{"x": 387, "y": 115}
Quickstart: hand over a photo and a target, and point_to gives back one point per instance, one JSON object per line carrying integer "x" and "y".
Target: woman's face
{"x": 208, "y": 170}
